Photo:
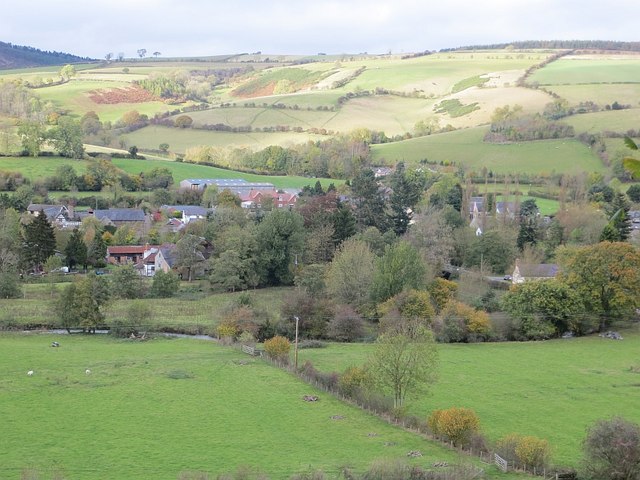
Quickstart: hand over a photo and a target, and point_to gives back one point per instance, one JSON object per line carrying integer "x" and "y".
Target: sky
{"x": 94, "y": 28}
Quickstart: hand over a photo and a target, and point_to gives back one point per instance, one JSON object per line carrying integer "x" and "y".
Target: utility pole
{"x": 295, "y": 354}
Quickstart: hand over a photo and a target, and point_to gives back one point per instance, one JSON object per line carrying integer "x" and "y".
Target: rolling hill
{"x": 19, "y": 56}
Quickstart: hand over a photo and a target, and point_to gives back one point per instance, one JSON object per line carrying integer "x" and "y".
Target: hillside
{"x": 19, "y": 56}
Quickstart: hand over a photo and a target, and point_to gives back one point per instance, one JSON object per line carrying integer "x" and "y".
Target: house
{"x": 531, "y": 272}
{"x": 506, "y": 208}
{"x": 281, "y": 199}
{"x": 62, "y": 216}
{"x": 188, "y": 213}
{"x": 165, "y": 258}
{"x": 125, "y": 254}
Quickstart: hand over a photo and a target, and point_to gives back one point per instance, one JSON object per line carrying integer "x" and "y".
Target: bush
{"x": 353, "y": 380}
{"x": 278, "y": 348}
{"x": 346, "y": 325}
{"x": 164, "y": 285}
{"x": 456, "y": 424}
{"x": 526, "y": 451}
{"x": 226, "y": 332}
{"x": 532, "y": 452}
{"x": 612, "y": 450}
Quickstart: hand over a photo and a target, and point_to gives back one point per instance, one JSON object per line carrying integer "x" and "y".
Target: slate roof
{"x": 121, "y": 214}
{"x": 188, "y": 209}
{"x": 540, "y": 270}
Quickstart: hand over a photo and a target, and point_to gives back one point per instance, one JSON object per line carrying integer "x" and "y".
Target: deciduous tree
{"x": 606, "y": 276}
{"x": 405, "y": 362}
{"x": 612, "y": 450}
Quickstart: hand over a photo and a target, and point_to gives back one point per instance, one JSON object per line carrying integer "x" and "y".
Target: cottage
{"x": 61, "y": 216}
{"x": 531, "y": 272}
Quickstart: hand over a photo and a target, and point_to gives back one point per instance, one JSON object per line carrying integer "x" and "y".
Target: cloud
{"x": 203, "y": 27}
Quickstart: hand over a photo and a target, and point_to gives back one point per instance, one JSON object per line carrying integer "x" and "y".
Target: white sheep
{"x": 30, "y": 373}
{"x": 87, "y": 371}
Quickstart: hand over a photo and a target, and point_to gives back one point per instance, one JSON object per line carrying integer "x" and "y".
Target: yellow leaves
{"x": 456, "y": 424}
{"x": 277, "y": 347}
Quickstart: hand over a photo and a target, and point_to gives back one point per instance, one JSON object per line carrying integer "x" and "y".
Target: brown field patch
{"x": 132, "y": 94}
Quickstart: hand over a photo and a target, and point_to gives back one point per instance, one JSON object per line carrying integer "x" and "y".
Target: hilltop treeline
{"x": 556, "y": 44}
{"x": 17, "y": 56}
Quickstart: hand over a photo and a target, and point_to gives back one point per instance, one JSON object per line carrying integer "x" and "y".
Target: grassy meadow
{"x": 39, "y": 167}
{"x": 466, "y": 147}
{"x": 553, "y": 389}
{"x": 610, "y": 121}
{"x": 74, "y": 96}
{"x": 194, "y": 310}
{"x": 586, "y": 69}
{"x": 163, "y": 407}
{"x": 181, "y": 139}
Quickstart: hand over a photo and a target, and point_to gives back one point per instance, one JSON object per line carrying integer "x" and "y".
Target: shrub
{"x": 612, "y": 450}
{"x": 183, "y": 121}
{"x": 461, "y": 323}
{"x": 346, "y": 325}
{"x": 456, "y": 424}
{"x": 442, "y": 292}
{"x": 353, "y": 380}
{"x": 278, "y": 348}
{"x": 532, "y": 452}
{"x": 226, "y": 332}
{"x": 527, "y": 451}
{"x": 164, "y": 285}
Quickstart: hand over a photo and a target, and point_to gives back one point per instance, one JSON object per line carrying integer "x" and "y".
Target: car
{"x": 508, "y": 278}
{"x": 100, "y": 272}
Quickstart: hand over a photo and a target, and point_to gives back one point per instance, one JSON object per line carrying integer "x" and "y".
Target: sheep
{"x": 87, "y": 371}
{"x": 30, "y": 373}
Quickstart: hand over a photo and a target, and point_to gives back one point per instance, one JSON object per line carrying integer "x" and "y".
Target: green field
{"x": 553, "y": 389}
{"x": 437, "y": 74}
{"x": 158, "y": 408}
{"x": 181, "y": 171}
{"x": 74, "y": 96}
{"x": 262, "y": 117}
{"x": 39, "y": 167}
{"x": 601, "y": 94}
{"x": 467, "y": 148}
{"x": 194, "y": 310}
{"x": 612, "y": 121}
{"x": 181, "y": 139}
{"x": 589, "y": 69}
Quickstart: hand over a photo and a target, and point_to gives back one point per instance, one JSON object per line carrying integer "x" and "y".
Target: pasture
{"x": 74, "y": 96}
{"x": 601, "y": 94}
{"x": 194, "y": 310}
{"x": 588, "y": 69}
{"x": 159, "y": 408}
{"x": 181, "y": 170}
{"x": 437, "y": 74}
{"x": 39, "y": 167}
{"x": 181, "y": 139}
{"x": 611, "y": 121}
{"x": 552, "y": 389}
{"x": 466, "y": 147}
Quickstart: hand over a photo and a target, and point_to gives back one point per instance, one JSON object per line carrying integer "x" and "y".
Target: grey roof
{"x": 121, "y": 214}
{"x": 540, "y": 270}
{"x": 188, "y": 209}
{"x": 168, "y": 251}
